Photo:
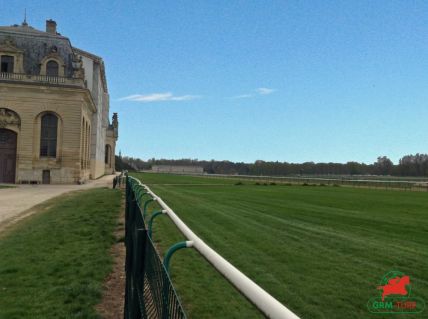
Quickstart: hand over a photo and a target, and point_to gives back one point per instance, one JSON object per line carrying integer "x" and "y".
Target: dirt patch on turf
{"x": 112, "y": 304}
{"x": 7, "y": 225}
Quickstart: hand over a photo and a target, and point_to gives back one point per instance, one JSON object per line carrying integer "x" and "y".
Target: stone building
{"x": 178, "y": 169}
{"x": 54, "y": 109}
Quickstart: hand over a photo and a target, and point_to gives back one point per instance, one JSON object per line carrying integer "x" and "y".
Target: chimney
{"x": 51, "y": 26}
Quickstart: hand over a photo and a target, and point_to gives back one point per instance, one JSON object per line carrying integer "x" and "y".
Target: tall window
{"x": 82, "y": 160}
{"x": 48, "y": 135}
{"x": 107, "y": 155}
{"x": 52, "y": 68}
{"x": 7, "y": 64}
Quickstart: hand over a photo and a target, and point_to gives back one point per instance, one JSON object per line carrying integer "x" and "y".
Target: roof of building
{"x": 27, "y": 29}
{"x": 38, "y": 44}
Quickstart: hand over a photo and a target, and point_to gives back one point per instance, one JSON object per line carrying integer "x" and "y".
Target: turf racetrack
{"x": 321, "y": 251}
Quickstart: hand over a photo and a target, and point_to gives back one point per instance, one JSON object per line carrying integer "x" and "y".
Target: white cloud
{"x": 158, "y": 97}
{"x": 259, "y": 91}
{"x": 265, "y": 91}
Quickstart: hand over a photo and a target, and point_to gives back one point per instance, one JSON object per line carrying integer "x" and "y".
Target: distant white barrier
{"x": 267, "y": 304}
{"x": 314, "y": 178}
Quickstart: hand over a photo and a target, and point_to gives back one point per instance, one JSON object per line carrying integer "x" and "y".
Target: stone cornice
{"x": 55, "y": 89}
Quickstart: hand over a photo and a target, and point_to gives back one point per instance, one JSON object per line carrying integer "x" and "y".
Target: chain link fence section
{"x": 149, "y": 292}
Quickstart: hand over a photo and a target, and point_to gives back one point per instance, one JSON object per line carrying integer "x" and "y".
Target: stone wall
{"x": 177, "y": 169}
{"x": 30, "y": 103}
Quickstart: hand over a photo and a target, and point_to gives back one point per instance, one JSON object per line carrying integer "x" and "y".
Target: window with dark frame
{"x": 48, "y": 135}
{"x": 107, "y": 154}
{"x": 52, "y": 68}
{"x": 7, "y": 64}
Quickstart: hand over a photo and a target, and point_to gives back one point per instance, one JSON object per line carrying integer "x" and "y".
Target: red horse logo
{"x": 395, "y": 286}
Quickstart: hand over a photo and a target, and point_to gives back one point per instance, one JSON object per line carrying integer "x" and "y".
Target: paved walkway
{"x": 16, "y": 202}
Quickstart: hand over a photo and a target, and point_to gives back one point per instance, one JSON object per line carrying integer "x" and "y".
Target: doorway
{"x": 46, "y": 178}
{"x": 8, "y": 144}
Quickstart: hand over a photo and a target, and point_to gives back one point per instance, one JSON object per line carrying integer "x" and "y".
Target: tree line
{"x": 409, "y": 165}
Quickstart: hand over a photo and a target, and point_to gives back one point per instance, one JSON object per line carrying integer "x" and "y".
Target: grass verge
{"x": 53, "y": 263}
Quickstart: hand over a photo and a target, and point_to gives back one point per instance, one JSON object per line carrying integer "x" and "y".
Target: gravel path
{"x": 16, "y": 202}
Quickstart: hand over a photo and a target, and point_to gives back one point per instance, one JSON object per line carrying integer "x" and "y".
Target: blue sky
{"x": 245, "y": 80}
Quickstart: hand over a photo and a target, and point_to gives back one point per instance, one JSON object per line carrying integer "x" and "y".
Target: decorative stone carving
{"x": 9, "y": 117}
{"x": 9, "y": 41}
{"x": 115, "y": 122}
{"x": 78, "y": 70}
{"x": 8, "y": 45}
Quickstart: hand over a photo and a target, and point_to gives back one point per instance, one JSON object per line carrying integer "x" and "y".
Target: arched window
{"x": 52, "y": 68}
{"x": 48, "y": 135}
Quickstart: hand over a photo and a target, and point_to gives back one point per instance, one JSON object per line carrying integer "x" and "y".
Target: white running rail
{"x": 267, "y": 304}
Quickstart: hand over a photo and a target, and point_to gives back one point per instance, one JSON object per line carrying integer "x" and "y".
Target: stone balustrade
{"x": 41, "y": 79}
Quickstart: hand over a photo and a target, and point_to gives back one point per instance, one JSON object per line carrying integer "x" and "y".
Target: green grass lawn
{"x": 53, "y": 264}
{"x": 321, "y": 251}
{"x": 183, "y": 179}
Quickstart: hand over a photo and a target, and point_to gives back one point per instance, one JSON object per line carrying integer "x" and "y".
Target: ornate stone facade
{"x": 9, "y": 118}
{"x": 54, "y": 109}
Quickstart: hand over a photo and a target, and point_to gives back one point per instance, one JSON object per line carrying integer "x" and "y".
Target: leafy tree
{"x": 383, "y": 166}
{"x": 409, "y": 165}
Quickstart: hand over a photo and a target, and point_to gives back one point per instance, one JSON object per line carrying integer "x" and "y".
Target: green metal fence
{"x": 149, "y": 292}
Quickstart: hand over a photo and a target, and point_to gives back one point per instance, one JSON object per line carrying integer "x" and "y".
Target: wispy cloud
{"x": 158, "y": 97}
{"x": 242, "y": 96}
{"x": 258, "y": 91}
{"x": 264, "y": 91}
